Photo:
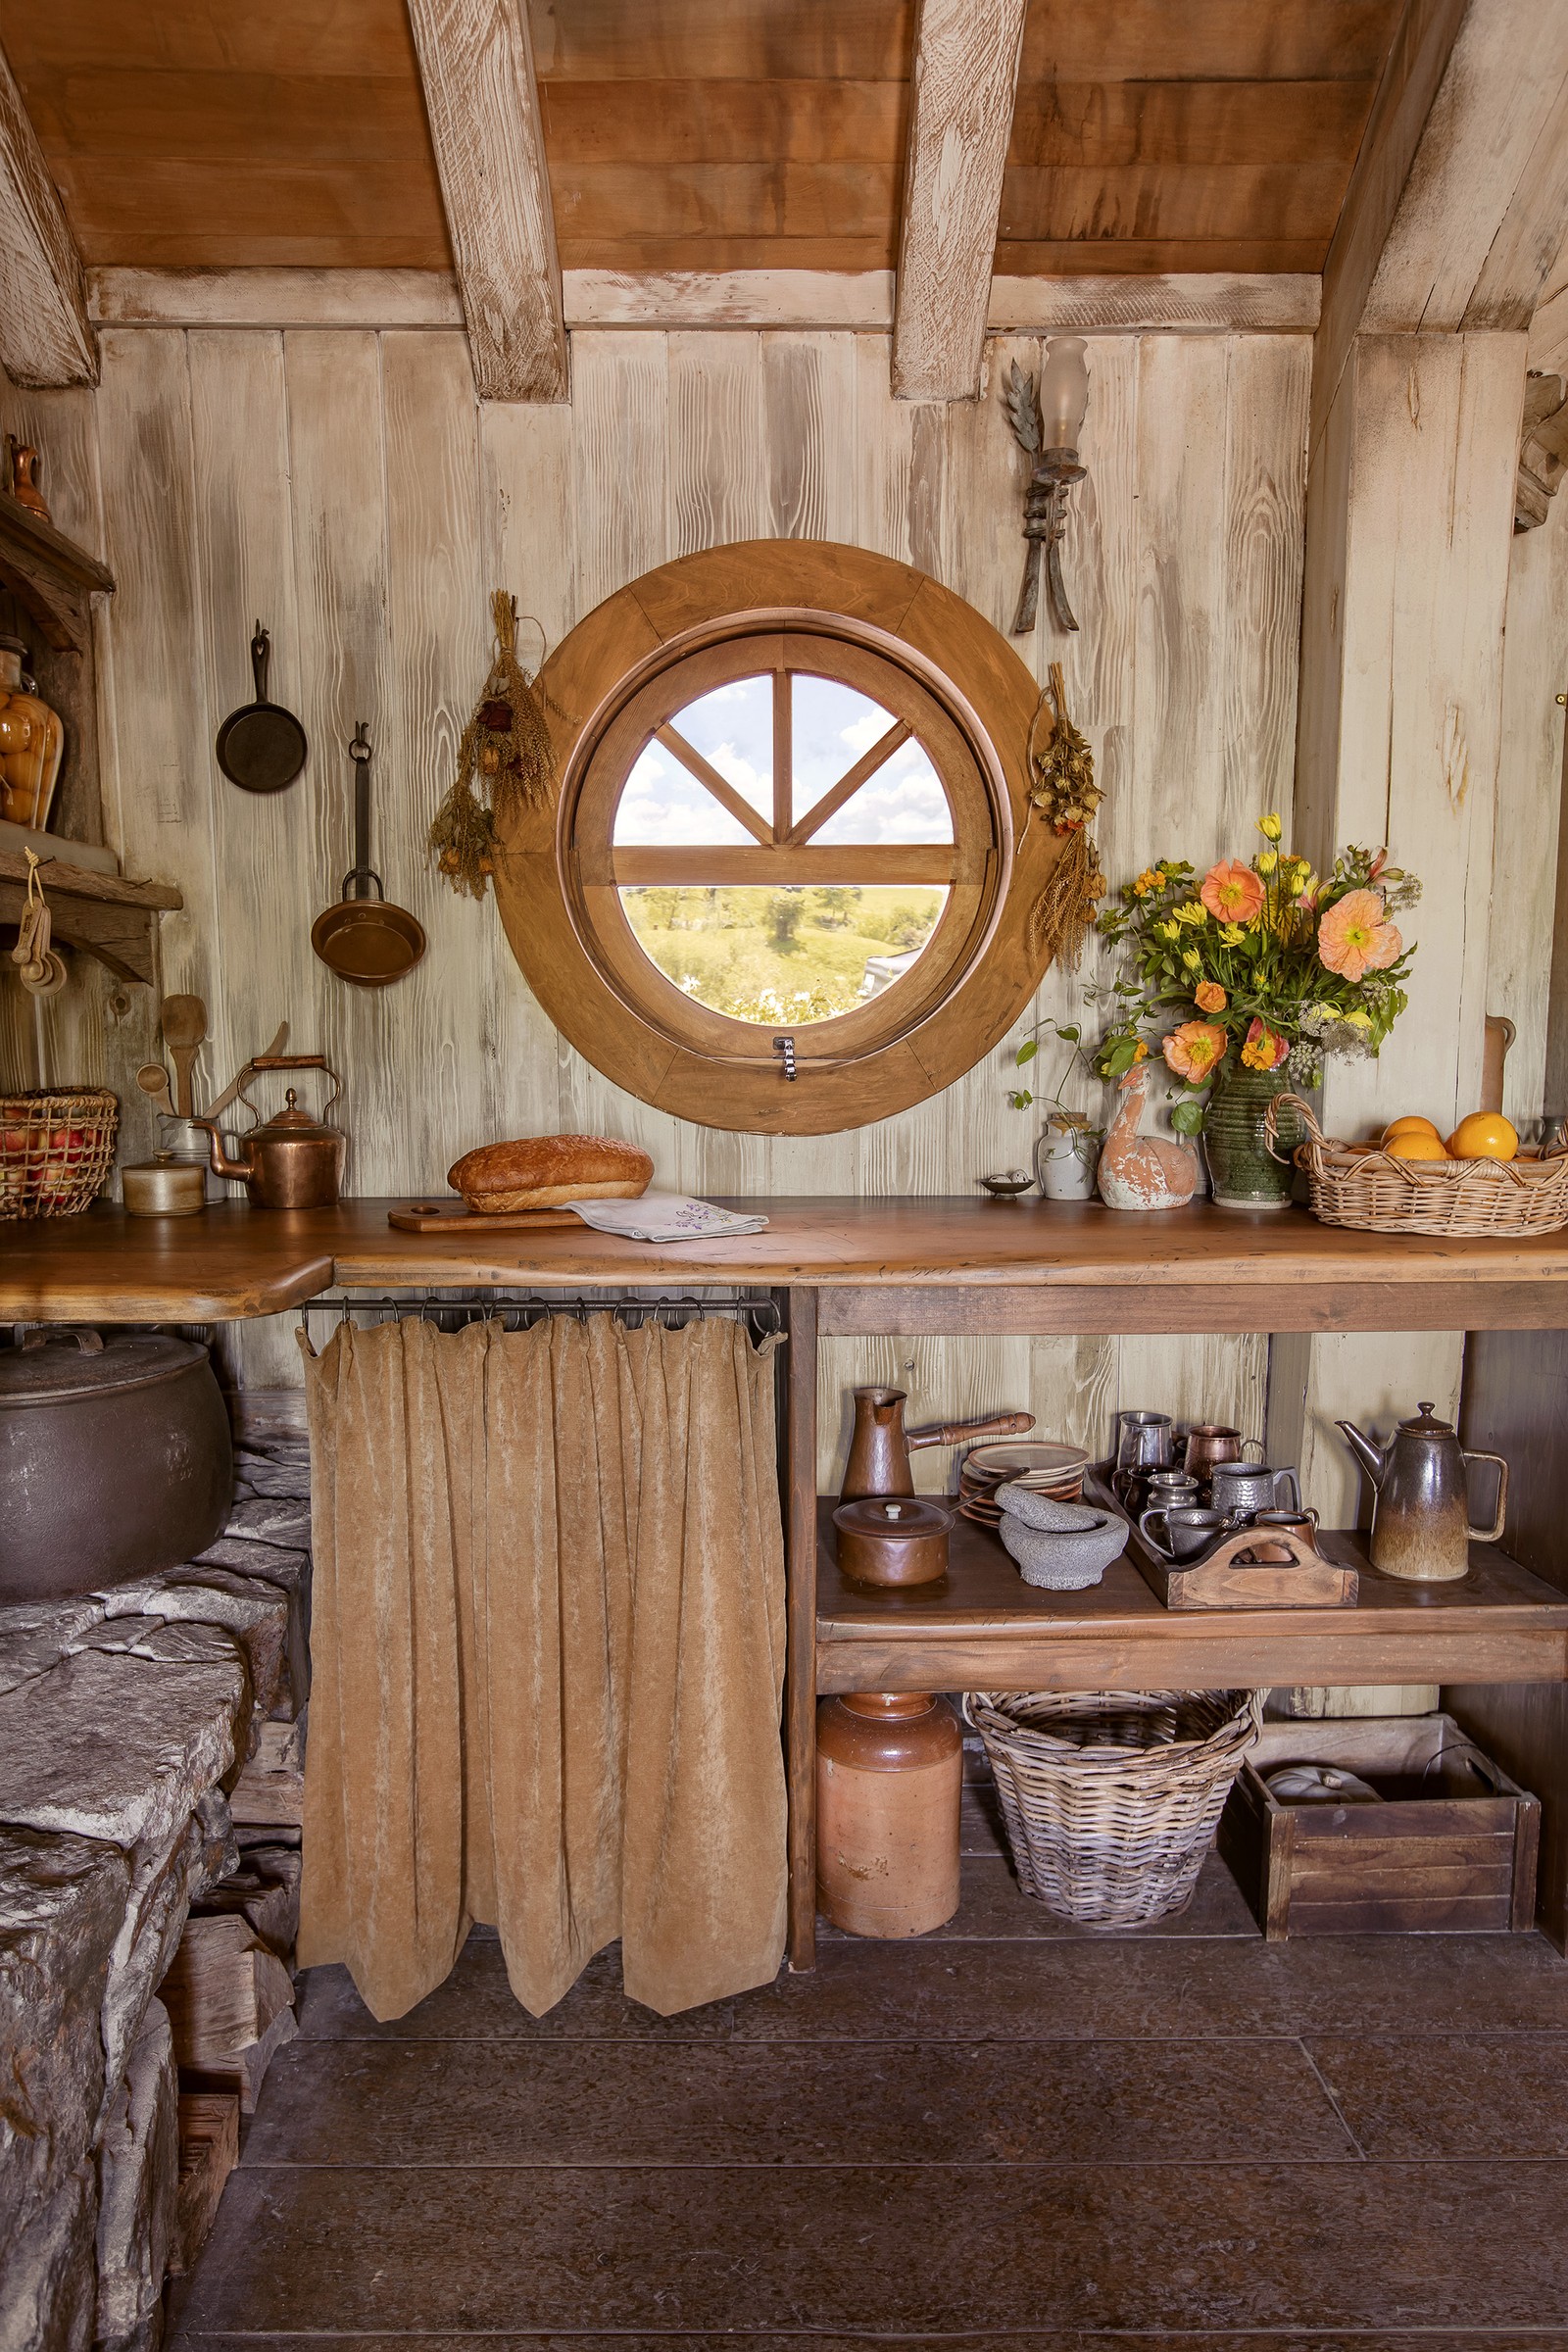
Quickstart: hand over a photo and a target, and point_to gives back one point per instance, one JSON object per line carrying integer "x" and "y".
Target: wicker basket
{"x": 57, "y": 1146}
{"x": 1368, "y": 1189}
{"x": 1111, "y": 1798}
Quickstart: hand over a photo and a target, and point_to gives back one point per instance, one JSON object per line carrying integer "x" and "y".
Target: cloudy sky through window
{"x": 833, "y": 724}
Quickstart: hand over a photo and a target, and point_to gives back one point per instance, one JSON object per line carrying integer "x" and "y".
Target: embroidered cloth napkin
{"x": 664, "y": 1217}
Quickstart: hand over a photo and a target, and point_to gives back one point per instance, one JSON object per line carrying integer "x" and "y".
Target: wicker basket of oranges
{"x": 1476, "y": 1183}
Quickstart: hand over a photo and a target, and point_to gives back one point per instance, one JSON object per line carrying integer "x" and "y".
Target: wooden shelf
{"x": 48, "y": 586}
{"x": 986, "y": 1629}
{"x": 113, "y": 920}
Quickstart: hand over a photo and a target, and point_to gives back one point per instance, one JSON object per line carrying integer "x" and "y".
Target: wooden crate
{"x": 1451, "y": 1851}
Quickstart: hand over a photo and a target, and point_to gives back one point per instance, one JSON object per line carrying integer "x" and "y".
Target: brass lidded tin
{"x": 165, "y": 1187}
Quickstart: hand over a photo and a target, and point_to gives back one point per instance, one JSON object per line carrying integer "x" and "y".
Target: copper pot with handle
{"x": 292, "y": 1160}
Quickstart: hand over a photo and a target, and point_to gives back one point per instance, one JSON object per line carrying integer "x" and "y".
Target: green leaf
{"x": 1020, "y": 1100}
{"x": 1070, "y": 1033}
{"x": 1027, "y": 1050}
{"x": 1120, "y": 1059}
{"x": 1188, "y": 1117}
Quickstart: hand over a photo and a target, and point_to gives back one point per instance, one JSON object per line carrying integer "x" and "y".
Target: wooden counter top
{"x": 959, "y": 1264}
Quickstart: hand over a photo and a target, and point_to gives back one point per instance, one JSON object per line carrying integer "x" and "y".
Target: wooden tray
{"x": 453, "y": 1216}
{"x": 1221, "y": 1579}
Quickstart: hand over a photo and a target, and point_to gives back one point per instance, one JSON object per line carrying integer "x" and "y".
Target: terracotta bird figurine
{"x": 1144, "y": 1171}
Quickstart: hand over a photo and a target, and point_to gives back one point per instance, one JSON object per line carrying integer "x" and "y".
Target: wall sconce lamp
{"x": 1048, "y": 426}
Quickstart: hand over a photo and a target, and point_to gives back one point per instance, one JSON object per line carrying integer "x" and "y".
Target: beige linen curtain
{"x": 547, "y": 1658}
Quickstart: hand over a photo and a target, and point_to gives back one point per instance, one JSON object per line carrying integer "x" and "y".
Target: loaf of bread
{"x": 546, "y": 1171}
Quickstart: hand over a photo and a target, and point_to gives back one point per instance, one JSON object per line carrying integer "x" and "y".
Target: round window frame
{"x": 569, "y": 931}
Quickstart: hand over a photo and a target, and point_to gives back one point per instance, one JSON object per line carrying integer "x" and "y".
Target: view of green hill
{"x": 797, "y": 955}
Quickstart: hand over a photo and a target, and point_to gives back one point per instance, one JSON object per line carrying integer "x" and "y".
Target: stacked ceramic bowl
{"x": 1049, "y": 1469}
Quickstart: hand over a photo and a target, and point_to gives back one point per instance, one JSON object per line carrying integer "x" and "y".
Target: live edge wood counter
{"x": 917, "y": 1267}
{"x": 909, "y": 1266}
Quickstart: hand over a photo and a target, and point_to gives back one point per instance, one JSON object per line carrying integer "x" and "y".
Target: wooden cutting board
{"x": 456, "y": 1216}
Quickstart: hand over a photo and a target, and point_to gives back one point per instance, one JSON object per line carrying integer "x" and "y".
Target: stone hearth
{"x": 134, "y": 1726}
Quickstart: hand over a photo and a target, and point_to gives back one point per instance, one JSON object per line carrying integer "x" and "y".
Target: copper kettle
{"x": 1421, "y": 1517}
{"x": 880, "y": 1446}
{"x": 293, "y": 1161}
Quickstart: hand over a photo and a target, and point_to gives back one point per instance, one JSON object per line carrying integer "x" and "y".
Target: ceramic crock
{"x": 1243, "y": 1172}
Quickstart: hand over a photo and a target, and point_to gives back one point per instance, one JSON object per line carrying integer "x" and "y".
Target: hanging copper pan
{"x": 364, "y": 939}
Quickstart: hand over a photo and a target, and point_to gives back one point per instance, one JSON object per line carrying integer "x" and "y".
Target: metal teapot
{"x": 293, "y": 1161}
{"x": 1421, "y": 1515}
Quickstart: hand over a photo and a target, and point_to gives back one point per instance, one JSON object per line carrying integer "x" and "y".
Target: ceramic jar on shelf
{"x": 1067, "y": 1158}
{"x": 33, "y": 743}
{"x": 1243, "y": 1171}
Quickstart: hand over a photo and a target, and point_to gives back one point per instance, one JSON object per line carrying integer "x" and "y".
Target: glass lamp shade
{"x": 1063, "y": 392}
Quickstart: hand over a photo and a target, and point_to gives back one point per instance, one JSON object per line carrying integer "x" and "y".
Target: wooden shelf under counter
{"x": 983, "y": 1627}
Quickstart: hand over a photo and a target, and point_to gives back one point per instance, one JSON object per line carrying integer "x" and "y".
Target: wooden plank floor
{"x": 1010, "y": 2135}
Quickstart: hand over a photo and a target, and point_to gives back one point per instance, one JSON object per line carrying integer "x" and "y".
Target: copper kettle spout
{"x": 1373, "y": 1458}
{"x": 240, "y": 1170}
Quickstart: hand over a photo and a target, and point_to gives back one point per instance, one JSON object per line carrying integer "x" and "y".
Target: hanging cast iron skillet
{"x": 363, "y": 939}
{"x": 260, "y": 746}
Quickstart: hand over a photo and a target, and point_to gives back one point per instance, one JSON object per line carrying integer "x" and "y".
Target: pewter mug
{"x": 1187, "y": 1533}
{"x": 1145, "y": 1440}
{"x": 1239, "y": 1488}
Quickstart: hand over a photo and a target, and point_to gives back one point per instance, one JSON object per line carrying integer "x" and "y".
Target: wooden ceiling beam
{"x": 1453, "y": 214}
{"x": 963, "y": 88}
{"x": 477, "y": 72}
{"x": 1203, "y": 302}
{"x": 45, "y": 335}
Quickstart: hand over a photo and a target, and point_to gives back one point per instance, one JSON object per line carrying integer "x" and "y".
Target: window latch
{"x": 785, "y": 1046}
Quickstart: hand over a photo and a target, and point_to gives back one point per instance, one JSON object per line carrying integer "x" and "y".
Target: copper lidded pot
{"x": 898, "y": 1540}
{"x": 292, "y": 1162}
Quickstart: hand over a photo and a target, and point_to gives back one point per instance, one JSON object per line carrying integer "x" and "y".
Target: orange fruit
{"x": 1483, "y": 1135}
{"x": 1414, "y": 1144}
{"x": 1410, "y": 1125}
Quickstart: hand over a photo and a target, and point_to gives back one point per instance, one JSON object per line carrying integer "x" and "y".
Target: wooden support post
{"x": 964, "y": 85}
{"x": 799, "y": 1676}
{"x": 477, "y": 66}
{"x": 45, "y": 334}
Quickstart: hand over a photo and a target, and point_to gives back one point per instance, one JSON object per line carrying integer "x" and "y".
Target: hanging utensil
{"x": 260, "y": 746}
{"x": 365, "y": 939}
{"x": 183, "y": 1020}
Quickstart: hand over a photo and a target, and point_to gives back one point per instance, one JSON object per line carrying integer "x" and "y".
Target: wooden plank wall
{"x": 345, "y": 488}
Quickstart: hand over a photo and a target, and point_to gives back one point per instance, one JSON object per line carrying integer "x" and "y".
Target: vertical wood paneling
{"x": 1524, "y": 851}
{"x": 338, "y": 495}
{"x": 441, "y": 1026}
{"x": 525, "y": 514}
{"x": 1265, "y": 490}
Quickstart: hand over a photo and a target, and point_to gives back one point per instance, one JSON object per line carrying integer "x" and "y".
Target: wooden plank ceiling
{"x": 1151, "y": 135}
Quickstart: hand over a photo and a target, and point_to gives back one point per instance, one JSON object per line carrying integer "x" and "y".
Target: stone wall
{"x": 133, "y": 1724}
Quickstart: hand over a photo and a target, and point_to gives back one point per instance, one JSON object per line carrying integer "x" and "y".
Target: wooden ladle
{"x": 184, "y": 1025}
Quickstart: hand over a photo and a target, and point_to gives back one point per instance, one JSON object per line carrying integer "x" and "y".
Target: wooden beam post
{"x": 45, "y": 335}
{"x": 964, "y": 87}
{"x": 476, "y": 68}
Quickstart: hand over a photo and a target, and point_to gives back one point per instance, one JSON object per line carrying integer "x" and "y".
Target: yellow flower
{"x": 1233, "y": 934}
{"x": 1358, "y": 1019}
{"x": 1166, "y": 932}
{"x": 1140, "y": 1052}
{"x": 1146, "y": 881}
{"x": 1270, "y": 827}
{"x": 1191, "y": 910}
{"x": 1192, "y": 958}
{"x": 1266, "y": 860}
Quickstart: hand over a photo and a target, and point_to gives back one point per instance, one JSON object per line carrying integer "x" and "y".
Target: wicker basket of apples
{"x": 57, "y": 1146}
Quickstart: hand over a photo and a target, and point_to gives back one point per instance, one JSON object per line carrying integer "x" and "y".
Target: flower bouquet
{"x": 1266, "y": 967}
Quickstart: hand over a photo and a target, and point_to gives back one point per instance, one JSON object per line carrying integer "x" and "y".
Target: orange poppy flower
{"x": 1193, "y": 1050}
{"x": 1264, "y": 1049}
{"x": 1232, "y": 893}
{"x": 1209, "y": 997}
{"x": 1354, "y": 938}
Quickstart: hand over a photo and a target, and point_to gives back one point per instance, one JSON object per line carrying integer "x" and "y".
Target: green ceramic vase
{"x": 1243, "y": 1172}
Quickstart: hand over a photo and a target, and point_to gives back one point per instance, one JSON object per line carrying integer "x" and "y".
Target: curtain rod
{"x": 520, "y": 1315}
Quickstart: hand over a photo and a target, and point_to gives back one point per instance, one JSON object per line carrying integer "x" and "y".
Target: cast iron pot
{"x": 114, "y": 1460}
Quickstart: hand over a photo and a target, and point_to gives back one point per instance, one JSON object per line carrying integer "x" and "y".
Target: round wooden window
{"x": 788, "y": 881}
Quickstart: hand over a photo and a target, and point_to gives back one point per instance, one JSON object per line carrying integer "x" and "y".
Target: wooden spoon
{"x": 184, "y": 1025}
{"x": 153, "y": 1079}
